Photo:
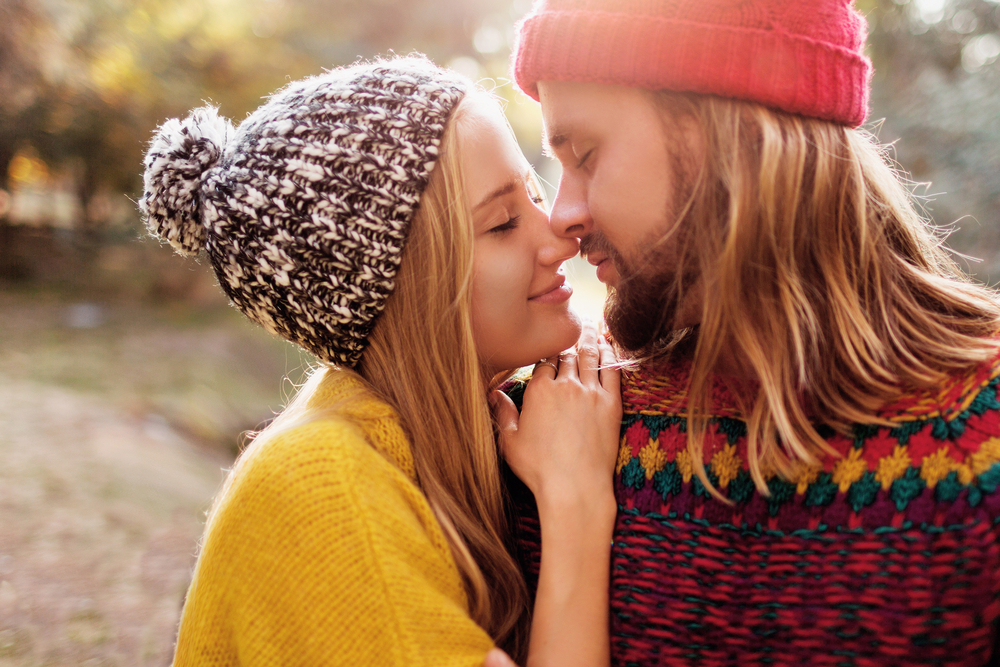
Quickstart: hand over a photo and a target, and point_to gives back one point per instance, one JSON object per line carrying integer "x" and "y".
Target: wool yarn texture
{"x": 304, "y": 208}
{"x": 884, "y": 552}
{"x": 322, "y": 550}
{"x": 804, "y": 58}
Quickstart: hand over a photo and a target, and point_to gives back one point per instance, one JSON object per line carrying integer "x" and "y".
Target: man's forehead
{"x": 558, "y": 117}
{"x": 568, "y": 107}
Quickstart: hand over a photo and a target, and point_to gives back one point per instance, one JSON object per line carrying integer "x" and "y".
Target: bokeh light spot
{"x": 980, "y": 51}
{"x": 27, "y": 169}
{"x": 931, "y": 11}
{"x": 467, "y": 67}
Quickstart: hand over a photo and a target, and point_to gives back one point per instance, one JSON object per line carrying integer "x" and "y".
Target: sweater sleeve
{"x": 322, "y": 552}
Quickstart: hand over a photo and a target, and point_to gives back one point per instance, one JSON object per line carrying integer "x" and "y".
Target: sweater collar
{"x": 377, "y": 419}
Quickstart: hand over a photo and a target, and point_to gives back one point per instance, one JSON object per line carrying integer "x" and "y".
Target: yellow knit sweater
{"x": 322, "y": 550}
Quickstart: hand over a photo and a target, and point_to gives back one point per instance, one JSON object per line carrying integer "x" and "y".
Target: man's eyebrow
{"x": 513, "y": 184}
{"x": 551, "y": 142}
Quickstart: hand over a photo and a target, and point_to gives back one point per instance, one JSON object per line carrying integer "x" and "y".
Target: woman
{"x": 382, "y": 217}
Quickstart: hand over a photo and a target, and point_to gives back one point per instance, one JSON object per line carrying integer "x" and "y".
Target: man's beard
{"x": 641, "y": 312}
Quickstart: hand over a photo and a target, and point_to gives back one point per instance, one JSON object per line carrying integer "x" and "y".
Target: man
{"x": 810, "y": 450}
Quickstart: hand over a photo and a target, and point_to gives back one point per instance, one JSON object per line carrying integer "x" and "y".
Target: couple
{"x": 801, "y": 463}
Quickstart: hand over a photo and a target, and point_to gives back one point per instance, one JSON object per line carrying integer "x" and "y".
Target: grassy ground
{"x": 116, "y": 425}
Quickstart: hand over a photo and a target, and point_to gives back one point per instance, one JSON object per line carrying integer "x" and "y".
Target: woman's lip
{"x": 558, "y": 291}
{"x": 558, "y": 295}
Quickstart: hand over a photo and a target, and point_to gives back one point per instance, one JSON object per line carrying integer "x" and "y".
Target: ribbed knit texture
{"x": 325, "y": 552}
{"x": 304, "y": 209}
{"x": 801, "y": 57}
{"x": 887, "y": 555}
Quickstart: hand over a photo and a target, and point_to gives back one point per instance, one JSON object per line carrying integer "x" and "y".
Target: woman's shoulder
{"x": 319, "y": 436}
{"x": 315, "y": 512}
{"x": 318, "y": 453}
{"x": 340, "y": 427}
{"x": 321, "y": 473}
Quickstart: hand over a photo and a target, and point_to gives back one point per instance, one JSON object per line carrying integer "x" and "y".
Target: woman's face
{"x": 520, "y": 295}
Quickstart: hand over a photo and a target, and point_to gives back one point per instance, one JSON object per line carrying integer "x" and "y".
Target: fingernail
{"x": 497, "y": 658}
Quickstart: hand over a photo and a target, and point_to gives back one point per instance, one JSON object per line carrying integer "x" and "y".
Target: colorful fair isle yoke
{"x": 886, "y": 555}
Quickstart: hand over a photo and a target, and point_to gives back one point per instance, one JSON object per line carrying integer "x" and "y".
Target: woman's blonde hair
{"x": 421, "y": 360}
{"x": 820, "y": 279}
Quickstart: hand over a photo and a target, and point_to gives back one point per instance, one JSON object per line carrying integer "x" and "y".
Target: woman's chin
{"x": 541, "y": 340}
{"x": 564, "y": 336}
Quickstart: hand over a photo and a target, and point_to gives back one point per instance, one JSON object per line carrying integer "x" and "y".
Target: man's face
{"x": 619, "y": 193}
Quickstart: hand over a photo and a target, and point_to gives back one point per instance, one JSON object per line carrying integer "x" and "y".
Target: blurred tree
{"x": 84, "y": 82}
{"x": 937, "y": 85}
{"x": 93, "y": 78}
{"x": 19, "y": 24}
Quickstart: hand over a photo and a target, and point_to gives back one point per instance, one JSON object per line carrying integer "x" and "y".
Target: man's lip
{"x": 596, "y": 258}
{"x": 554, "y": 285}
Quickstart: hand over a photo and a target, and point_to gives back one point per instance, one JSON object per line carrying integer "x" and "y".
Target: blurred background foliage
{"x": 937, "y": 85}
{"x": 83, "y": 83}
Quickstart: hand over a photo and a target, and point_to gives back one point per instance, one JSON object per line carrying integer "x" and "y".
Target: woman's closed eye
{"x": 506, "y": 227}
{"x": 535, "y": 196}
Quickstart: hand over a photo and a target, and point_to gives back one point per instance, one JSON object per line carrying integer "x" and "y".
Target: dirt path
{"x": 101, "y": 514}
{"x": 114, "y": 437}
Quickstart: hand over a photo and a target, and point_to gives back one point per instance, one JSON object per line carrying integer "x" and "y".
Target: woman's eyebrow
{"x": 510, "y": 186}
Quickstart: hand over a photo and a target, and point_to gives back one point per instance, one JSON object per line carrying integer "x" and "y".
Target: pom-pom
{"x": 179, "y": 157}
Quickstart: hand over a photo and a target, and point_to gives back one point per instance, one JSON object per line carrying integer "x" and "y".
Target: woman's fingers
{"x": 611, "y": 375}
{"x": 567, "y": 364}
{"x": 546, "y": 368}
{"x": 588, "y": 354}
{"x": 505, "y": 413}
{"x": 497, "y": 658}
{"x": 566, "y": 436}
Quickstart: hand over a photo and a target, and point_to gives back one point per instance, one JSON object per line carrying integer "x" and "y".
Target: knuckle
{"x": 587, "y": 350}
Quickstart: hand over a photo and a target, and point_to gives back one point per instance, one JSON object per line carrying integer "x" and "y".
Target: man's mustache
{"x": 595, "y": 242}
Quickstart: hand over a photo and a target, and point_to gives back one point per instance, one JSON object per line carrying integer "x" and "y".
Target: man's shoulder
{"x": 515, "y": 385}
{"x": 932, "y": 446}
{"x": 957, "y": 393}
{"x": 661, "y": 387}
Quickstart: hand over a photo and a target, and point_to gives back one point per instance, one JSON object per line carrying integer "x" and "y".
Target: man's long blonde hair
{"x": 820, "y": 279}
{"x": 421, "y": 360}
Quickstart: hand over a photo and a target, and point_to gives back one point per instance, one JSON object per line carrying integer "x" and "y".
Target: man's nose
{"x": 557, "y": 249}
{"x": 570, "y": 214}
{"x": 551, "y": 248}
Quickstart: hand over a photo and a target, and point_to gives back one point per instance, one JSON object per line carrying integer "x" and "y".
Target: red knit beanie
{"x": 801, "y": 56}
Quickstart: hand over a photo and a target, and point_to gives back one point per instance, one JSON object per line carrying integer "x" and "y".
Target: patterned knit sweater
{"x": 886, "y": 555}
{"x": 323, "y": 551}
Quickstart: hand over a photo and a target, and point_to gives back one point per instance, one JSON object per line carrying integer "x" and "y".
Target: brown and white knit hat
{"x": 304, "y": 208}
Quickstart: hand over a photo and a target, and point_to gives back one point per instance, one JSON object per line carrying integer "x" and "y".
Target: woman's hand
{"x": 564, "y": 444}
{"x": 497, "y": 658}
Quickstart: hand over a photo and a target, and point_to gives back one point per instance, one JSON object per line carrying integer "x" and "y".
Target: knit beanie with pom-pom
{"x": 806, "y": 58}
{"x": 304, "y": 208}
